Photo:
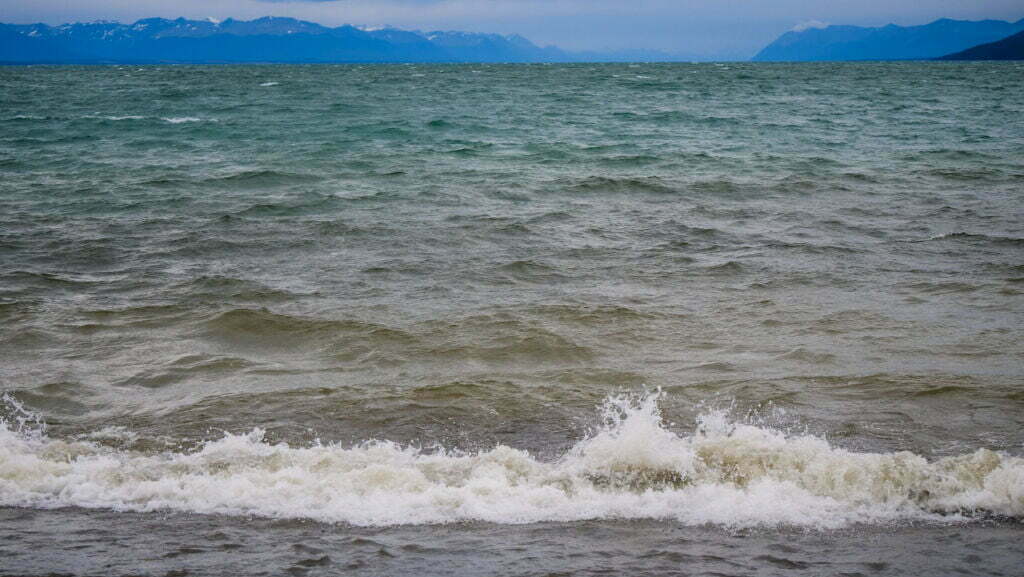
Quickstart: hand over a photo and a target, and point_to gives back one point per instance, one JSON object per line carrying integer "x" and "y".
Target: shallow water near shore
{"x": 742, "y": 319}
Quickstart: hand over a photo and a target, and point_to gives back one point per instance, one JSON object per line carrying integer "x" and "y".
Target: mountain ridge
{"x": 1009, "y": 48}
{"x": 267, "y": 39}
{"x": 890, "y": 42}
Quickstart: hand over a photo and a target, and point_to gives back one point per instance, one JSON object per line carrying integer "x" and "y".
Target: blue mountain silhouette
{"x": 890, "y": 42}
{"x": 266, "y": 39}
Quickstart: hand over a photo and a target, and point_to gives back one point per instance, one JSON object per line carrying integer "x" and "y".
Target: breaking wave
{"x": 632, "y": 466}
{"x": 183, "y": 119}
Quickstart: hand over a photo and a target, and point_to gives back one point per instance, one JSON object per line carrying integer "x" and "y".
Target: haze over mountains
{"x": 891, "y": 42}
{"x": 270, "y": 39}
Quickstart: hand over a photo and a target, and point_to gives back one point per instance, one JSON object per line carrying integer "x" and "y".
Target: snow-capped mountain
{"x": 266, "y": 39}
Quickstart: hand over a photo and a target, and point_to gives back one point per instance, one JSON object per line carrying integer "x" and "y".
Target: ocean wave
{"x": 726, "y": 268}
{"x": 252, "y": 327}
{"x": 55, "y": 279}
{"x": 529, "y": 270}
{"x": 23, "y": 117}
{"x": 186, "y": 366}
{"x": 631, "y": 467}
{"x": 650, "y": 184}
{"x": 259, "y": 178}
{"x": 978, "y": 237}
{"x": 119, "y": 118}
{"x": 184, "y": 119}
{"x": 220, "y": 286}
{"x": 115, "y": 118}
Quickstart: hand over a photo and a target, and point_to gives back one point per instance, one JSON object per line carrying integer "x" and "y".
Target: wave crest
{"x": 631, "y": 466}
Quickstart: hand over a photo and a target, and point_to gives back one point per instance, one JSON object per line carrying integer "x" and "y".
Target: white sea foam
{"x": 182, "y": 119}
{"x": 116, "y": 118}
{"x": 270, "y": 84}
{"x": 724, "y": 473}
{"x": 112, "y": 433}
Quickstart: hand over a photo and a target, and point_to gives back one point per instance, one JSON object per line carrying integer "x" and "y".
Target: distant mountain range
{"x": 1010, "y": 48}
{"x": 890, "y": 42}
{"x": 270, "y": 39}
{"x": 158, "y": 40}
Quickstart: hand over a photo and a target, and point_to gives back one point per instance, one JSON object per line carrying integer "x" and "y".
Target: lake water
{"x": 707, "y": 319}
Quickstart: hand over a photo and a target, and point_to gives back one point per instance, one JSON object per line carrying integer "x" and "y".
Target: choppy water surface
{"x": 639, "y": 319}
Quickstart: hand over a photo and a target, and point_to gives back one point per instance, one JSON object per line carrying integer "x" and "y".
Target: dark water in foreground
{"x": 659, "y": 319}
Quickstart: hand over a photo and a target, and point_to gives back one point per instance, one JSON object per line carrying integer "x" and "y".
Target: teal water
{"x": 446, "y": 298}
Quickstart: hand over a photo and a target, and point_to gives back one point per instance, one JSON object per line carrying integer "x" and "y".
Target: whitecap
{"x": 115, "y": 118}
{"x": 631, "y": 467}
{"x": 112, "y": 433}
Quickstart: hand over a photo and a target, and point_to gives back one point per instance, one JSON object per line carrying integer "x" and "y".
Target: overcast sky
{"x": 724, "y": 28}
